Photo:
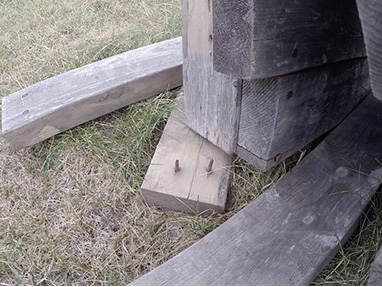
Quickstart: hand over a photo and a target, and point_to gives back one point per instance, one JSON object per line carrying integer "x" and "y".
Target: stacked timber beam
{"x": 265, "y": 80}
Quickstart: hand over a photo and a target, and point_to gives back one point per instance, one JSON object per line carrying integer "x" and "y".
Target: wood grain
{"x": 289, "y": 233}
{"x": 280, "y": 115}
{"x": 190, "y": 189}
{"x": 264, "y": 38}
{"x": 375, "y": 277}
{"x": 370, "y": 13}
{"x": 70, "y": 99}
{"x": 212, "y": 100}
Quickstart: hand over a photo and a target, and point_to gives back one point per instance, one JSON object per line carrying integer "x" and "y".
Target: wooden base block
{"x": 289, "y": 233}
{"x": 191, "y": 189}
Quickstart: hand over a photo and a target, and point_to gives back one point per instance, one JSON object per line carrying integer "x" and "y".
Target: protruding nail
{"x": 209, "y": 167}
{"x": 177, "y": 168}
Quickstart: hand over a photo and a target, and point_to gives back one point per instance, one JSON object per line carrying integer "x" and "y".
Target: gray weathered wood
{"x": 190, "y": 189}
{"x": 375, "y": 277}
{"x": 289, "y": 233}
{"x": 212, "y": 99}
{"x": 282, "y": 114}
{"x": 370, "y": 13}
{"x": 265, "y": 38}
{"x": 67, "y": 100}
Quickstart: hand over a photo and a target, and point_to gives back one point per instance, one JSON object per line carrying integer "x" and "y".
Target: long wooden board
{"x": 190, "y": 189}
{"x": 289, "y": 233}
{"x": 70, "y": 99}
{"x": 280, "y": 115}
{"x": 370, "y": 13}
{"x": 375, "y": 277}
{"x": 265, "y": 38}
{"x": 212, "y": 100}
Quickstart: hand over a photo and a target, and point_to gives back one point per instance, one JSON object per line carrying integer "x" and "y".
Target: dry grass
{"x": 71, "y": 209}
{"x": 71, "y": 212}
{"x": 351, "y": 265}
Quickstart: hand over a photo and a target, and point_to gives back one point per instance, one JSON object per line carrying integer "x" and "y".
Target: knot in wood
{"x": 308, "y": 219}
{"x": 342, "y": 171}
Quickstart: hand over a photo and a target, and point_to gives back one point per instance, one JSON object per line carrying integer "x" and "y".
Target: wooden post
{"x": 370, "y": 13}
{"x": 212, "y": 100}
{"x": 265, "y": 38}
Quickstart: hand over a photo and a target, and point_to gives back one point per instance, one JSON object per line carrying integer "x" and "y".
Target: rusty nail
{"x": 209, "y": 167}
{"x": 177, "y": 168}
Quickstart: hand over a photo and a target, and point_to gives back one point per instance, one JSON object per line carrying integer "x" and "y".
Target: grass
{"x": 351, "y": 265}
{"x": 71, "y": 212}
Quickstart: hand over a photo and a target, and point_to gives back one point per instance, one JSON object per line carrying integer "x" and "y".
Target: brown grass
{"x": 71, "y": 212}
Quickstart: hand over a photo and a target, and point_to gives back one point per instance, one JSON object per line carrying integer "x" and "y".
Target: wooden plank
{"x": 212, "y": 99}
{"x": 190, "y": 189}
{"x": 290, "y": 232}
{"x": 263, "y": 38}
{"x": 67, "y": 100}
{"x": 375, "y": 277}
{"x": 280, "y": 115}
{"x": 370, "y": 13}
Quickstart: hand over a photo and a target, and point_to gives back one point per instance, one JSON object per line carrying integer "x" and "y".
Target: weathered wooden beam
{"x": 280, "y": 115}
{"x": 375, "y": 277}
{"x": 188, "y": 187}
{"x": 70, "y": 99}
{"x": 212, "y": 99}
{"x": 263, "y": 38}
{"x": 370, "y": 13}
{"x": 289, "y": 233}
